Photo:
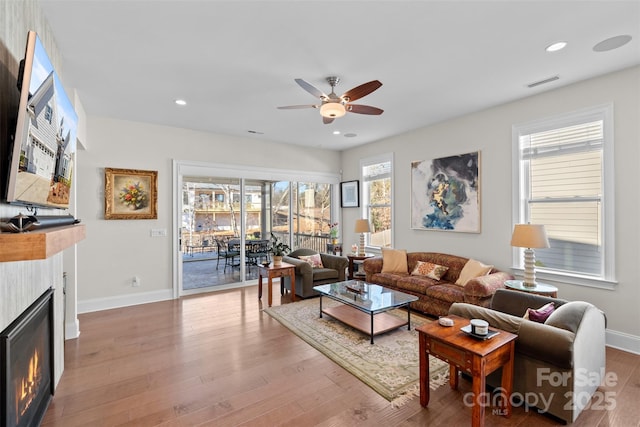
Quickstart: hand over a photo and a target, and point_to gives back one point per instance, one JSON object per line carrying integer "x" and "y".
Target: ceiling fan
{"x": 334, "y": 106}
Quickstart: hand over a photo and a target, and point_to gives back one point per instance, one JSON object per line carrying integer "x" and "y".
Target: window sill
{"x": 573, "y": 279}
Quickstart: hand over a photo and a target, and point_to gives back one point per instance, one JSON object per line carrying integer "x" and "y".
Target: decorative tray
{"x": 357, "y": 289}
{"x": 467, "y": 330}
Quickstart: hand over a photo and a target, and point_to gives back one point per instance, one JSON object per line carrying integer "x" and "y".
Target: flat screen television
{"x": 42, "y": 156}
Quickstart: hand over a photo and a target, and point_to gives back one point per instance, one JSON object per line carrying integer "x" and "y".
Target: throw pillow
{"x": 433, "y": 271}
{"x": 471, "y": 270}
{"x": 314, "y": 260}
{"x": 394, "y": 261}
{"x": 541, "y": 314}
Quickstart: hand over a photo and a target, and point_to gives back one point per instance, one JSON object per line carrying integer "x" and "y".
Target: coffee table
{"x": 364, "y": 306}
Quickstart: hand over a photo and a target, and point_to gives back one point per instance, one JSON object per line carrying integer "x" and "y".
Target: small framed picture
{"x": 350, "y": 194}
{"x": 130, "y": 194}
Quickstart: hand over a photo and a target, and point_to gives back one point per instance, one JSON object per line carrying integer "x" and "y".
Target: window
{"x": 563, "y": 166}
{"x": 48, "y": 114}
{"x": 311, "y": 215}
{"x": 377, "y": 197}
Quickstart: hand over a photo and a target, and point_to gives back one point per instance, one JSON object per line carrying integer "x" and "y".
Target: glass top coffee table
{"x": 364, "y": 305}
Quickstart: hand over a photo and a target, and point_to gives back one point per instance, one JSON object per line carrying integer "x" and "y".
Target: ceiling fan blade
{"x": 296, "y": 107}
{"x": 327, "y": 120}
{"x": 311, "y": 88}
{"x": 364, "y": 109}
{"x": 362, "y": 90}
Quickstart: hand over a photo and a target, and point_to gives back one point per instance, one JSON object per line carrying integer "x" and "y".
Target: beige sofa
{"x": 436, "y": 296}
{"x": 558, "y": 364}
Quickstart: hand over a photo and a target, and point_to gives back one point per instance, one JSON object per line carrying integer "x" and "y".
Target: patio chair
{"x": 229, "y": 253}
{"x": 256, "y": 251}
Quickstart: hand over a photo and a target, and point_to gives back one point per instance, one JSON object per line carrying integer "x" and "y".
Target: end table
{"x": 271, "y": 272}
{"x": 355, "y": 257}
{"x": 539, "y": 288}
{"x": 475, "y": 356}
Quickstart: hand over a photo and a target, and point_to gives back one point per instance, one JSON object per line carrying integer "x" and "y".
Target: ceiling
{"x": 235, "y": 61}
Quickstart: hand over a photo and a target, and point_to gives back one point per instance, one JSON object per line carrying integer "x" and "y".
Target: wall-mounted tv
{"x": 43, "y": 154}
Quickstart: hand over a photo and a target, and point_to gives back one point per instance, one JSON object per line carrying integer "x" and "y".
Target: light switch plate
{"x": 158, "y": 232}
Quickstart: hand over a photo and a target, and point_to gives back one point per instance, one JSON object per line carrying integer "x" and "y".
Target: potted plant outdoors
{"x": 333, "y": 233}
{"x": 278, "y": 250}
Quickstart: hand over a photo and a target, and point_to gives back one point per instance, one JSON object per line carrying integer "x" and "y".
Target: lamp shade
{"x": 332, "y": 110}
{"x": 362, "y": 226}
{"x": 529, "y": 236}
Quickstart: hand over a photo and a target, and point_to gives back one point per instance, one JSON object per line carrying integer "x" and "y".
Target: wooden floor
{"x": 216, "y": 360}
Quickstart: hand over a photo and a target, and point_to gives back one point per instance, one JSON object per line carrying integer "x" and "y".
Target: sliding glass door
{"x": 225, "y": 224}
{"x": 210, "y": 223}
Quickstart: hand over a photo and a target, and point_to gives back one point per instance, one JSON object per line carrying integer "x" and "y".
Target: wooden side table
{"x": 539, "y": 288}
{"x": 475, "y": 356}
{"x": 352, "y": 258}
{"x": 271, "y": 272}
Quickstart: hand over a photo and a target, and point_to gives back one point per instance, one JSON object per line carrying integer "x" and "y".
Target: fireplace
{"x": 26, "y": 365}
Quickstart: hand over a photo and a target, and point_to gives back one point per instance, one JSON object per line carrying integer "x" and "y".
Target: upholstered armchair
{"x": 558, "y": 364}
{"x": 332, "y": 270}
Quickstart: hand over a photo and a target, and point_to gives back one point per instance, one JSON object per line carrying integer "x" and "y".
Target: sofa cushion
{"x": 454, "y": 262}
{"x": 540, "y": 314}
{"x": 446, "y": 292}
{"x": 324, "y": 274}
{"x": 417, "y": 284}
{"x": 429, "y": 269}
{"x": 517, "y": 302}
{"x": 387, "y": 279}
{"x": 314, "y": 260}
{"x": 394, "y": 261}
{"x": 472, "y": 269}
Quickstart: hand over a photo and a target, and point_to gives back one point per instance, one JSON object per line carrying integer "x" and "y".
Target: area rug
{"x": 390, "y": 366}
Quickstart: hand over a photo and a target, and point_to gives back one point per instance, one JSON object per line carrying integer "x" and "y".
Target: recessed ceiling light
{"x": 350, "y": 135}
{"x": 556, "y": 46}
{"x": 181, "y": 102}
{"x": 336, "y": 132}
{"x": 612, "y": 43}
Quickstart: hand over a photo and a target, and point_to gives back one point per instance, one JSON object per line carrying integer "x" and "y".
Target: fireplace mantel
{"x": 39, "y": 244}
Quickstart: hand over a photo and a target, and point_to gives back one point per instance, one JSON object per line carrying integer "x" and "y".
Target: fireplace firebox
{"x": 26, "y": 365}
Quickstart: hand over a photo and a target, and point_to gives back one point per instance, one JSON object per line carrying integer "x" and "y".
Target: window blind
{"x": 564, "y": 193}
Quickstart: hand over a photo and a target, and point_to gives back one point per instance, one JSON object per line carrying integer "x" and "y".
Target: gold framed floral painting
{"x": 130, "y": 194}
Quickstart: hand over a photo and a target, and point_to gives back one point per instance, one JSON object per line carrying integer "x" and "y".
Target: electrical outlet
{"x": 135, "y": 282}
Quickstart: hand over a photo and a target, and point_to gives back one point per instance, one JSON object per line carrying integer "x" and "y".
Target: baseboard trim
{"x": 623, "y": 341}
{"x": 72, "y": 330}
{"x": 97, "y": 304}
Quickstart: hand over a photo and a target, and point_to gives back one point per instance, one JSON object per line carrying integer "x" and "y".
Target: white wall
{"x": 490, "y": 132}
{"x": 117, "y": 250}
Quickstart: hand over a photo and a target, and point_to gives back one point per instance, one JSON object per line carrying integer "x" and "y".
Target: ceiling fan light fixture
{"x": 554, "y": 47}
{"x": 332, "y": 110}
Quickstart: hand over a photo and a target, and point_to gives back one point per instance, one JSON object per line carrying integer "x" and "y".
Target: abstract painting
{"x": 445, "y": 193}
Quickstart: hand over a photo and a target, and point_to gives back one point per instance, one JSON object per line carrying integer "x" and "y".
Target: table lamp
{"x": 362, "y": 226}
{"x": 529, "y": 236}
